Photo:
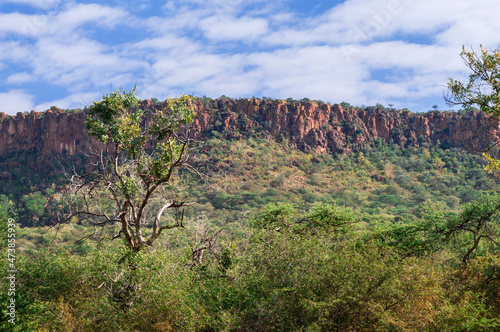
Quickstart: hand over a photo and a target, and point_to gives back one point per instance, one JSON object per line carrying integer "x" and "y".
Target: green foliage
{"x": 385, "y": 181}
{"x": 3, "y": 232}
{"x": 345, "y": 105}
{"x": 32, "y": 208}
{"x": 111, "y": 118}
{"x": 482, "y": 90}
{"x": 483, "y": 87}
{"x": 137, "y": 165}
{"x": 322, "y": 219}
{"x": 275, "y": 216}
{"x": 167, "y": 122}
{"x": 294, "y": 270}
{"x": 331, "y": 218}
{"x": 478, "y": 222}
{"x": 4, "y": 205}
{"x": 93, "y": 293}
{"x": 425, "y": 236}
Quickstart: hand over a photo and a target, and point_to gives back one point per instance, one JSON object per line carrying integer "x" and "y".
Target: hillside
{"x": 382, "y": 163}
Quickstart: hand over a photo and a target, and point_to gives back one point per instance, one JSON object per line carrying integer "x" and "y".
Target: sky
{"x": 364, "y": 52}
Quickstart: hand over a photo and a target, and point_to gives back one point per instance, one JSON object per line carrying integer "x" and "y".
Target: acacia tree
{"x": 482, "y": 91}
{"x": 480, "y": 218}
{"x": 135, "y": 168}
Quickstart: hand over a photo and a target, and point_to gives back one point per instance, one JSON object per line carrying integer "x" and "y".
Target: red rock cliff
{"x": 307, "y": 125}
{"x": 331, "y": 128}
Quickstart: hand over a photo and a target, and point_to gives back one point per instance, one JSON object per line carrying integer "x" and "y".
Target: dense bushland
{"x": 323, "y": 269}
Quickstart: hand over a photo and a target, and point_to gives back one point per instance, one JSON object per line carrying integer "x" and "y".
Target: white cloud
{"x": 408, "y": 56}
{"x": 250, "y": 47}
{"x": 192, "y": 72}
{"x": 60, "y": 23}
{"x": 154, "y": 48}
{"x": 76, "y": 100}
{"x": 14, "y": 101}
{"x": 14, "y": 51}
{"x": 220, "y": 7}
{"x": 77, "y": 15}
{"x": 20, "y": 78}
{"x": 313, "y": 72}
{"x": 82, "y": 63}
{"x": 227, "y": 28}
{"x": 23, "y": 24}
{"x": 314, "y": 59}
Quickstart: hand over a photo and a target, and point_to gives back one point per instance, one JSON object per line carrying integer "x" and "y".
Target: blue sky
{"x": 401, "y": 52}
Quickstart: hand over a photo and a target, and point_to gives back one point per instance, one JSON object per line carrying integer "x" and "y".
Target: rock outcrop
{"x": 308, "y": 125}
{"x": 333, "y": 129}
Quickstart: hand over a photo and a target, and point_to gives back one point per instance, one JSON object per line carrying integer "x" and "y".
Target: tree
{"x": 136, "y": 166}
{"x": 32, "y": 207}
{"x": 479, "y": 219}
{"x": 345, "y": 105}
{"x": 5, "y": 205}
{"x": 483, "y": 87}
{"x": 482, "y": 91}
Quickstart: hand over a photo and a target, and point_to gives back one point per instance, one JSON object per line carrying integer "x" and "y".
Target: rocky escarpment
{"x": 333, "y": 129}
{"x": 308, "y": 125}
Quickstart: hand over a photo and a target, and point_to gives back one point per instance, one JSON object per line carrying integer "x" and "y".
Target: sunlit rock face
{"x": 308, "y": 125}
{"x": 333, "y": 129}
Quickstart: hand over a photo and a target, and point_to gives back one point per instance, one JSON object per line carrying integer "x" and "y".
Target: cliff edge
{"x": 308, "y": 125}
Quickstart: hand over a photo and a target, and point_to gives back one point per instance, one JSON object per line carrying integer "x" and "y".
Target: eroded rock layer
{"x": 308, "y": 125}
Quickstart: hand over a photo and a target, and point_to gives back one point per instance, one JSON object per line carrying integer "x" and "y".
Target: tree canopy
{"x": 135, "y": 166}
{"x": 480, "y": 218}
{"x": 483, "y": 88}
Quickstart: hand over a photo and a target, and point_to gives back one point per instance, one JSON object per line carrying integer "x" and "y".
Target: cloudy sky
{"x": 401, "y": 52}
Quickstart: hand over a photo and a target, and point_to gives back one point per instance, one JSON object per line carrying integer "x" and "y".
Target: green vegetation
{"x": 130, "y": 176}
{"x": 384, "y": 182}
{"x": 281, "y": 240}
{"x": 317, "y": 270}
{"x": 483, "y": 88}
{"x": 381, "y": 181}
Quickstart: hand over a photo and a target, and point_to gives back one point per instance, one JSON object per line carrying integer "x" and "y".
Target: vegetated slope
{"x": 383, "y": 163}
{"x": 383, "y": 180}
{"x": 243, "y": 176}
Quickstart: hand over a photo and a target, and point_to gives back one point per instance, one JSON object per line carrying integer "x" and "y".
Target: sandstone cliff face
{"x": 42, "y": 136}
{"x": 333, "y": 129}
{"x": 307, "y": 125}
